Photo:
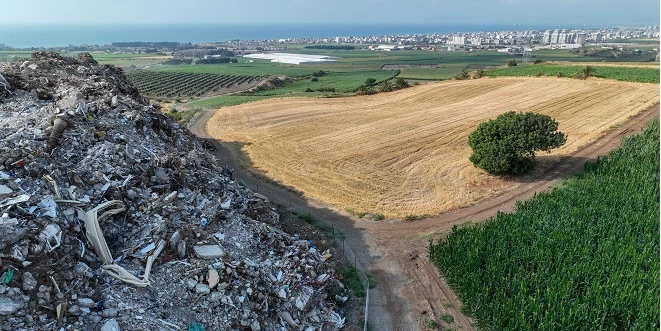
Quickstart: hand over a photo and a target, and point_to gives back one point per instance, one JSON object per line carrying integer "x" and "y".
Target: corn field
{"x": 582, "y": 257}
{"x": 183, "y": 84}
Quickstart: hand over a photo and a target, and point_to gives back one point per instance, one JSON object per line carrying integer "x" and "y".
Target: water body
{"x": 24, "y": 36}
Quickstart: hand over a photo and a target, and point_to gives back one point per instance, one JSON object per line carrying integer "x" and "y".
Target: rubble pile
{"x": 115, "y": 217}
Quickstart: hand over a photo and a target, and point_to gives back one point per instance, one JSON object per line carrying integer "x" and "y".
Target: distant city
{"x": 558, "y": 38}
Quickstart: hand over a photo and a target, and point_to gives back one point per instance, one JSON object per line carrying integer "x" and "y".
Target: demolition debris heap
{"x": 114, "y": 216}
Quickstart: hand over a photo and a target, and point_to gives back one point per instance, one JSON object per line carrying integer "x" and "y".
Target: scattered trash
{"x": 136, "y": 189}
{"x": 51, "y": 236}
{"x": 5, "y": 84}
{"x": 5, "y": 189}
{"x": 195, "y": 327}
{"x": 10, "y": 275}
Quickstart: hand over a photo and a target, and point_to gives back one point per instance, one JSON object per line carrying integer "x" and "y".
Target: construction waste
{"x": 114, "y": 217}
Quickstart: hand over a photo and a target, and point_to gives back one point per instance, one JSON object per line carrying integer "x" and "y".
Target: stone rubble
{"x": 75, "y": 135}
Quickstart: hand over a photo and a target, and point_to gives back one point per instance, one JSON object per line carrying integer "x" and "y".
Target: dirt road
{"x": 410, "y": 289}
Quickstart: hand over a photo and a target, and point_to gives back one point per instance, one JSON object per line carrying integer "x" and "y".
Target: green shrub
{"x": 507, "y": 144}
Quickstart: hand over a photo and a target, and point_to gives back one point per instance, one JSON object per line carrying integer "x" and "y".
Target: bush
{"x": 461, "y": 76}
{"x": 585, "y": 72}
{"x": 401, "y": 83}
{"x": 364, "y": 90}
{"x": 386, "y": 86}
{"x": 507, "y": 144}
{"x": 511, "y": 63}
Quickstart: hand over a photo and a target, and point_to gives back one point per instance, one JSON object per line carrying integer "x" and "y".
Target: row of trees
{"x": 332, "y": 47}
{"x": 370, "y": 86}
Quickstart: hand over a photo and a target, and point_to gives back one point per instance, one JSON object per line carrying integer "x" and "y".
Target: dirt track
{"x": 410, "y": 289}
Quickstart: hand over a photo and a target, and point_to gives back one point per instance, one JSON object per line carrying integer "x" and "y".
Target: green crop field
{"x": 181, "y": 84}
{"x": 442, "y": 73}
{"x": 582, "y": 257}
{"x": 628, "y": 74}
{"x": 340, "y": 82}
{"x": 331, "y": 84}
{"x": 224, "y": 101}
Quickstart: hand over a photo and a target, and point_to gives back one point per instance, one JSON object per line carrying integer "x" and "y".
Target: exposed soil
{"x": 410, "y": 289}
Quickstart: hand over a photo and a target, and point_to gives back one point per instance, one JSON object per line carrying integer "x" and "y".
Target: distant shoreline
{"x": 50, "y": 35}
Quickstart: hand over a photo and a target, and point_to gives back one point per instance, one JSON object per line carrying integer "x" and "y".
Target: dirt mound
{"x": 114, "y": 214}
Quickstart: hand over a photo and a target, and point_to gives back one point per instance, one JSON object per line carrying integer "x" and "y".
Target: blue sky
{"x": 575, "y": 12}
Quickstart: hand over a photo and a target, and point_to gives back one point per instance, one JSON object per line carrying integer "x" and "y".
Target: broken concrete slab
{"x": 208, "y": 251}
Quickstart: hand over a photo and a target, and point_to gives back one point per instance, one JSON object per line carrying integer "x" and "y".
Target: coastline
{"x": 51, "y": 35}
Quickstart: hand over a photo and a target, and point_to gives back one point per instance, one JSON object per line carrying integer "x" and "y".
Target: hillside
{"x": 114, "y": 215}
{"x": 404, "y": 153}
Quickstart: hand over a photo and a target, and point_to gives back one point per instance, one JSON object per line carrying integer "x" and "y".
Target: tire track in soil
{"x": 410, "y": 289}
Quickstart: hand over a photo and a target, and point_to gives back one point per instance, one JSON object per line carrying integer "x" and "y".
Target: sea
{"x": 47, "y": 36}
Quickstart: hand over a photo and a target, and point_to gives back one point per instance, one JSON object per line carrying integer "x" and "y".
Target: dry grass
{"x": 405, "y": 152}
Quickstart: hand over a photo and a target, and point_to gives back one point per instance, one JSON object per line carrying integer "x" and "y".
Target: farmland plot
{"x": 406, "y": 153}
{"x": 184, "y": 84}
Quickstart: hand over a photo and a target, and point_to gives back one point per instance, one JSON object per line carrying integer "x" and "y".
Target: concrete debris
{"x": 103, "y": 197}
{"x": 111, "y": 325}
{"x": 9, "y": 306}
{"x": 208, "y": 251}
{"x": 29, "y": 283}
{"x": 213, "y": 278}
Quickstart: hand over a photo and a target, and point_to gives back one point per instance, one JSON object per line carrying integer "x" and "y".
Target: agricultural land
{"x": 404, "y": 154}
{"x": 363, "y": 162}
{"x": 584, "y": 256}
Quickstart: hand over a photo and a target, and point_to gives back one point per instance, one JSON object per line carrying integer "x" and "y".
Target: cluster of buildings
{"x": 557, "y": 38}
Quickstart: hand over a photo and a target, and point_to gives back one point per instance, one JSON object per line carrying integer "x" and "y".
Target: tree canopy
{"x": 507, "y": 144}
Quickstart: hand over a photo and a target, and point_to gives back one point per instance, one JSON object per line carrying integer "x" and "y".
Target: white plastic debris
{"x": 285, "y": 316}
{"x": 19, "y": 199}
{"x": 226, "y": 203}
{"x": 51, "y": 235}
{"x": 5, "y": 189}
{"x": 147, "y": 249}
{"x": 48, "y": 207}
{"x": 95, "y": 236}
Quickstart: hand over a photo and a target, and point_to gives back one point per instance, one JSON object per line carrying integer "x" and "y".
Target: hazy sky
{"x": 575, "y": 12}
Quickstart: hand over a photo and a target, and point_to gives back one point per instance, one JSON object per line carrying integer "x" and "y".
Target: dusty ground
{"x": 405, "y": 153}
{"x": 411, "y": 291}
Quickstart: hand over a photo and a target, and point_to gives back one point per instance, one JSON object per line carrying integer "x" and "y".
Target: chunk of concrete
{"x": 208, "y": 251}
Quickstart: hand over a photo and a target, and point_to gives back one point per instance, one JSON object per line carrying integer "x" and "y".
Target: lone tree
{"x": 507, "y": 144}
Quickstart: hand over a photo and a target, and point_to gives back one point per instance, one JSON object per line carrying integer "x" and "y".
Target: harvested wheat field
{"x": 405, "y": 152}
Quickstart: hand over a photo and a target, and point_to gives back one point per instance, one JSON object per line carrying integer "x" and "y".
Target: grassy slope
{"x": 583, "y": 257}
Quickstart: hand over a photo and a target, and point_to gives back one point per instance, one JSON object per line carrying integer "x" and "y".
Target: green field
{"x": 449, "y": 63}
{"x": 628, "y": 74}
{"x": 224, "y": 101}
{"x": 183, "y": 84}
{"x": 582, "y": 257}
{"x": 342, "y": 82}
{"x": 331, "y": 84}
